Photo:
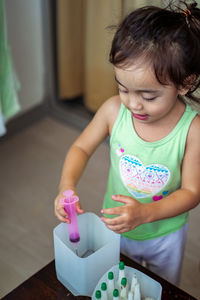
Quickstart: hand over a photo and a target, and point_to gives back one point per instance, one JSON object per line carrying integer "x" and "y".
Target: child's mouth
{"x": 140, "y": 117}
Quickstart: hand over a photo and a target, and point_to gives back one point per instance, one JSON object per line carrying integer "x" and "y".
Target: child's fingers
{"x": 118, "y": 228}
{"x": 59, "y": 211}
{"x": 117, "y": 224}
{"x": 121, "y": 198}
{"x": 112, "y": 211}
{"x": 62, "y": 216}
{"x": 79, "y": 208}
{"x": 113, "y": 221}
{"x": 78, "y": 205}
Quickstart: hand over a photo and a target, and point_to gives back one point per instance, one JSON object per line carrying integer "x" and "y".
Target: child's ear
{"x": 187, "y": 84}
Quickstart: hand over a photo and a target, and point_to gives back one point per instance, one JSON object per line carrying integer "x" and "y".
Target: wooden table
{"x": 44, "y": 286}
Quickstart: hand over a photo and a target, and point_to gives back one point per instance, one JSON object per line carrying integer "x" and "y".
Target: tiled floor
{"x": 30, "y": 167}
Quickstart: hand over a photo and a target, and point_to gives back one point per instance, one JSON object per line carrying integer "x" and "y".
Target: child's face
{"x": 143, "y": 95}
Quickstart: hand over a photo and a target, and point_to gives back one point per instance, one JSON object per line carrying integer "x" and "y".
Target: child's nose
{"x": 135, "y": 103}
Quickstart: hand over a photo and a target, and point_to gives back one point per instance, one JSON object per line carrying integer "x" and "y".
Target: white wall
{"x": 24, "y": 29}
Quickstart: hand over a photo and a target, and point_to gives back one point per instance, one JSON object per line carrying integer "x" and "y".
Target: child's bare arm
{"x": 133, "y": 213}
{"x": 82, "y": 149}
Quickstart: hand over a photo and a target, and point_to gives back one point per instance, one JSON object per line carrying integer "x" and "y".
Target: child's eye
{"x": 123, "y": 91}
{"x": 149, "y": 99}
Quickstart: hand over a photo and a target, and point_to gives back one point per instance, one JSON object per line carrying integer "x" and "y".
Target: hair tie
{"x": 187, "y": 12}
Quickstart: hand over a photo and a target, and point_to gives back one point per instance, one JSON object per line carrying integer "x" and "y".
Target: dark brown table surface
{"x": 44, "y": 285}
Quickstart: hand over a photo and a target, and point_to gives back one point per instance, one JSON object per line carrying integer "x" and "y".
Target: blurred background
{"x": 54, "y": 75}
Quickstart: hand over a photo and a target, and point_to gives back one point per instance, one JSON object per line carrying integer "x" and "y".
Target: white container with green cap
{"x": 115, "y": 294}
{"x": 104, "y": 295}
{"x": 111, "y": 285}
{"x": 124, "y": 289}
{"x": 121, "y": 273}
{"x": 98, "y": 294}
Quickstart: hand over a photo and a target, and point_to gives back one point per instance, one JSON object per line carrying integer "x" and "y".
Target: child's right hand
{"x": 60, "y": 213}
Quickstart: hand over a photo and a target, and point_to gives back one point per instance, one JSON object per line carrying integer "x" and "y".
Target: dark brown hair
{"x": 168, "y": 39}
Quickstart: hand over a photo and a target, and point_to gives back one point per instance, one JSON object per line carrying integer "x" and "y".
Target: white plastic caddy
{"x": 148, "y": 286}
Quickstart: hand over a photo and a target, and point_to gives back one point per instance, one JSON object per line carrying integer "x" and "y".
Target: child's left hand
{"x": 129, "y": 216}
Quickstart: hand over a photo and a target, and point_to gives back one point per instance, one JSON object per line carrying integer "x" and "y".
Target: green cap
{"x": 104, "y": 286}
{"x": 115, "y": 293}
{"x": 110, "y": 275}
{"x": 98, "y": 294}
{"x": 121, "y": 265}
{"x": 124, "y": 281}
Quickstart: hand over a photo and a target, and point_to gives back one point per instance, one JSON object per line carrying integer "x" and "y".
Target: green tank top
{"x": 147, "y": 171}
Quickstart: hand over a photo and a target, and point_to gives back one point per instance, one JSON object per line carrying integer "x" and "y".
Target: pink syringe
{"x": 70, "y": 207}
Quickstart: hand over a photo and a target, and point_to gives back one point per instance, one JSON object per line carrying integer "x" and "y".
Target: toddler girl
{"x": 154, "y": 137}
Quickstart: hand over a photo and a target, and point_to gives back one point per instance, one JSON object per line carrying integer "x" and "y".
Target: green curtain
{"x": 9, "y": 85}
